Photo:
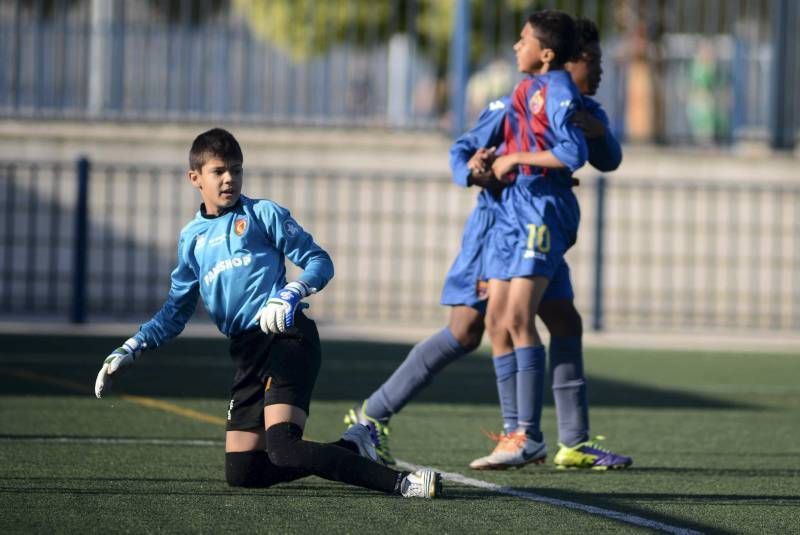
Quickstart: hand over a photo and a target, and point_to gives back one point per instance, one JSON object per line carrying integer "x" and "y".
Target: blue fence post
{"x": 599, "y": 253}
{"x": 781, "y": 122}
{"x": 81, "y": 243}
{"x": 459, "y": 66}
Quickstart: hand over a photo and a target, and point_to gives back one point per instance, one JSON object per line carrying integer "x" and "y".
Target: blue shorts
{"x": 535, "y": 224}
{"x": 464, "y": 284}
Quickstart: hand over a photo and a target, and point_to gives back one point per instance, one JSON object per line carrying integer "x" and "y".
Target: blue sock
{"x": 505, "y": 368}
{"x": 424, "y": 361}
{"x": 530, "y": 389}
{"x": 569, "y": 389}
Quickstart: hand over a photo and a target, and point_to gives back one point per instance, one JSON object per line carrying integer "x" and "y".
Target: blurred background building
{"x": 346, "y": 109}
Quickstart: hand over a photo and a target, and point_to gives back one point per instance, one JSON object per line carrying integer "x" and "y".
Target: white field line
{"x": 448, "y": 476}
{"x": 589, "y": 509}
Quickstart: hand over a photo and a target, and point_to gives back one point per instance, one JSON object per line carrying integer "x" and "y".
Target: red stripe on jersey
{"x": 524, "y": 127}
{"x": 539, "y": 124}
{"x": 513, "y": 130}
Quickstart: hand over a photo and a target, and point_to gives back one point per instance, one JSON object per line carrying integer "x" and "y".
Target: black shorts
{"x": 271, "y": 369}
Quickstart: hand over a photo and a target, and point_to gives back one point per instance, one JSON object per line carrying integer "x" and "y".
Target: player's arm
{"x": 605, "y": 153}
{"x": 166, "y": 324}
{"x": 472, "y": 154}
{"x": 299, "y": 247}
{"x": 508, "y": 162}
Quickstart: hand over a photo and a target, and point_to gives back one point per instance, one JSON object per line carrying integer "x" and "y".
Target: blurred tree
{"x": 305, "y": 28}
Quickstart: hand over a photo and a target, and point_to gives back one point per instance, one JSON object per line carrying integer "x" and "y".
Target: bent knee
{"x": 469, "y": 339}
{"x": 520, "y": 322}
{"x": 495, "y": 326}
{"x": 466, "y": 325}
{"x": 282, "y": 442}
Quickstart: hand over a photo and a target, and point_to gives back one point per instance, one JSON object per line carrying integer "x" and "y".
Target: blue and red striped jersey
{"x": 539, "y": 120}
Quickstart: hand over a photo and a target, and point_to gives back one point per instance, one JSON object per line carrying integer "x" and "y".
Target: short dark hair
{"x": 556, "y": 31}
{"x": 587, "y": 34}
{"x": 216, "y": 142}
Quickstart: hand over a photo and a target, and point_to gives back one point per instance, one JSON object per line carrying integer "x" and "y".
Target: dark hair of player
{"x": 216, "y": 142}
{"x": 587, "y": 34}
{"x": 556, "y": 31}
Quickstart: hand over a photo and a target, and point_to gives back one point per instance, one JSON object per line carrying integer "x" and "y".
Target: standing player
{"x": 537, "y": 221}
{"x": 470, "y": 162}
{"x": 232, "y": 254}
{"x": 557, "y": 308}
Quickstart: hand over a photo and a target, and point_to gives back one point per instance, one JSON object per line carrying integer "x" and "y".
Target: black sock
{"x": 287, "y": 449}
{"x": 254, "y": 469}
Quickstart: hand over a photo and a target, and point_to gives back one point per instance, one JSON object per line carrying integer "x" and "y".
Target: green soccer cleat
{"x": 379, "y": 431}
{"x": 590, "y": 455}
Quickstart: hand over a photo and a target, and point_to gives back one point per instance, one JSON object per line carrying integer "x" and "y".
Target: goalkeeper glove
{"x": 119, "y": 359}
{"x": 277, "y": 316}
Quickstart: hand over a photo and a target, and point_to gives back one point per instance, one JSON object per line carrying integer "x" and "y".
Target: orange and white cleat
{"x": 513, "y": 450}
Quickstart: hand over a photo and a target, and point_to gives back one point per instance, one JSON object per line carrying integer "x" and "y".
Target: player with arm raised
{"x": 233, "y": 255}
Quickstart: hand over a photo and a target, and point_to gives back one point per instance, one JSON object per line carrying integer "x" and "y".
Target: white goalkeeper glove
{"x": 277, "y": 316}
{"x": 119, "y": 359}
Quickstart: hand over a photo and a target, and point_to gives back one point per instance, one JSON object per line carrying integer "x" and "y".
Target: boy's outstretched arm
{"x": 166, "y": 324}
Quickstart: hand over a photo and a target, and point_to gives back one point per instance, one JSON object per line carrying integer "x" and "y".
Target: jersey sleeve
{"x": 298, "y": 246}
{"x": 487, "y": 132}
{"x": 605, "y": 153}
{"x": 169, "y": 322}
{"x": 569, "y": 144}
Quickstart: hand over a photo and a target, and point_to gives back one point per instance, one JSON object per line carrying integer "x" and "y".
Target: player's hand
{"x": 119, "y": 359}
{"x": 591, "y": 126}
{"x": 481, "y": 161}
{"x": 503, "y": 165}
{"x": 277, "y": 316}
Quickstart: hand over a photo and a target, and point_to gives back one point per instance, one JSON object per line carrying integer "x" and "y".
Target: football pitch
{"x": 715, "y": 438}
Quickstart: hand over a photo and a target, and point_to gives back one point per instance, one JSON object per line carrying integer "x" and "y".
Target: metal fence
{"x": 706, "y": 70}
{"x": 651, "y": 254}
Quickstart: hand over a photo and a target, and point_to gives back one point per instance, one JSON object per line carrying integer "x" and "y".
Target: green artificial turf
{"x": 714, "y": 437}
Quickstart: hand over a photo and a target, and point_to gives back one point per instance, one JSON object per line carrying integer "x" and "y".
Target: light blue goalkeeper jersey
{"x": 235, "y": 262}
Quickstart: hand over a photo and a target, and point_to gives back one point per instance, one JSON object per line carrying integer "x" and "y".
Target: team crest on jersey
{"x": 240, "y": 225}
{"x": 536, "y": 102}
{"x": 291, "y": 228}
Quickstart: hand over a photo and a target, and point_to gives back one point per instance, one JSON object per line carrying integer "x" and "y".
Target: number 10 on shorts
{"x": 538, "y": 237}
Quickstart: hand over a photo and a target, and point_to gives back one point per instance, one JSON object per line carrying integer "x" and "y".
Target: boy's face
{"x": 219, "y": 183}
{"x": 531, "y": 57}
{"x": 587, "y": 71}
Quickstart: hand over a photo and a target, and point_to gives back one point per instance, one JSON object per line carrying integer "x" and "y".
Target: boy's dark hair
{"x": 556, "y": 31}
{"x": 216, "y": 142}
{"x": 587, "y": 34}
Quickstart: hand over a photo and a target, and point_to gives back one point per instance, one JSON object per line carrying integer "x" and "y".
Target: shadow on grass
{"x": 350, "y": 371}
{"x": 729, "y": 472}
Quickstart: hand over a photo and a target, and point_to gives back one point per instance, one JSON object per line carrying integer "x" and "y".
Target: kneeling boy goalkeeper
{"x": 232, "y": 254}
